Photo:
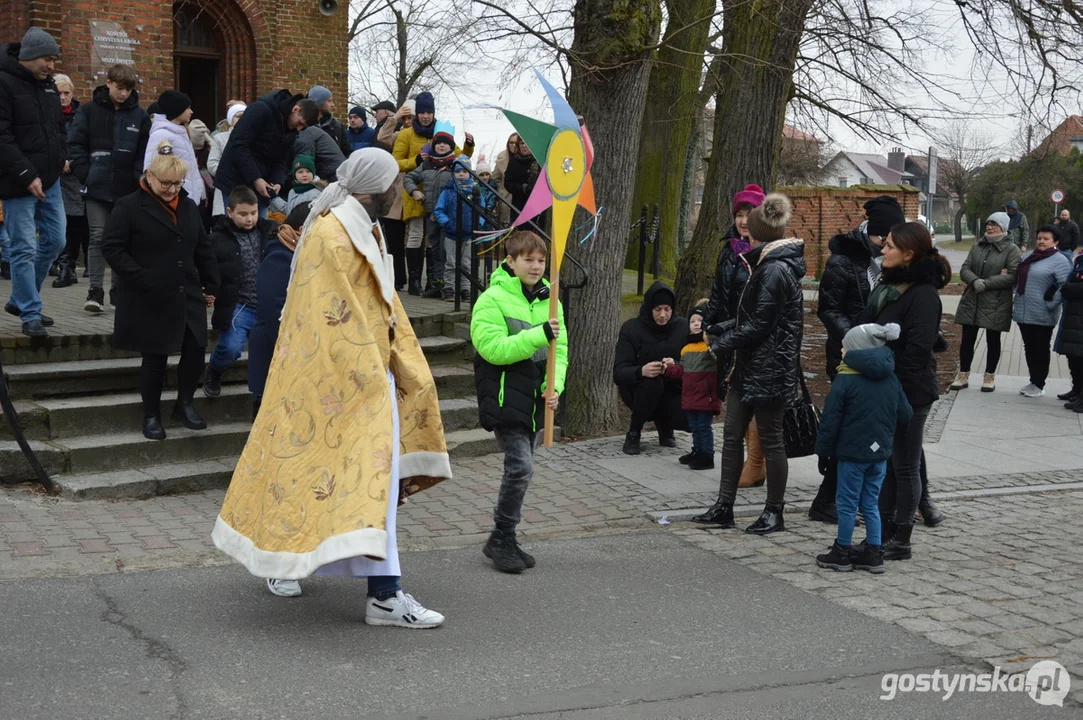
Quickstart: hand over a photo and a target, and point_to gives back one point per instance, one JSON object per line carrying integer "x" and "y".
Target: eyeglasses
{"x": 168, "y": 184}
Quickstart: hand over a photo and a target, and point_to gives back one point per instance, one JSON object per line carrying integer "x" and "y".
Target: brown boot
{"x": 755, "y": 470}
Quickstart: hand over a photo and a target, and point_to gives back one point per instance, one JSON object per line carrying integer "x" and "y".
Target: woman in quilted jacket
{"x": 989, "y": 273}
{"x": 765, "y": 338}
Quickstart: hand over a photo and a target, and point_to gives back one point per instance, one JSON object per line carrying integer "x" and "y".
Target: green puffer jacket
{"x": 988, "y": 304}
{"x": 507, "y": 329}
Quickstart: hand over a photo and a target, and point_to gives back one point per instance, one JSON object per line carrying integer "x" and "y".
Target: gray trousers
{"x": 97, "y": 214}
{"x": 449, "y": 267}
{"x": 518, "y": 445}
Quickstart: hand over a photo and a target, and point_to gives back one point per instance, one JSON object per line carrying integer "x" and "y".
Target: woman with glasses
{"x": 989, "y": 273}
{"x": 155, "y": 243}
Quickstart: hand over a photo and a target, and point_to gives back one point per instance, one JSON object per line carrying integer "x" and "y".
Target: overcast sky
{"x": 948, "y": 57}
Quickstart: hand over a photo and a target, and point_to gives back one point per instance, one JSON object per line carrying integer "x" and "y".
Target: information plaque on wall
{"x": 110, "y": 45}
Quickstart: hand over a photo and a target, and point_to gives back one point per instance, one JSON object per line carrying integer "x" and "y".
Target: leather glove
{"x": 940, "y": 344}
{"x": 721, "y": 328}
{"x": 821, "y": 464}
{"x": 979, "y": 285}
{"x": 1050, "y": 292}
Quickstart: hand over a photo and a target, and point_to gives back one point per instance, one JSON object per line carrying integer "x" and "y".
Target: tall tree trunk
{"x": 759, "y": 46}
{"x": 610, "y": 69}
{"x": 672, "y": 97}
{"x": 959, "y": 219}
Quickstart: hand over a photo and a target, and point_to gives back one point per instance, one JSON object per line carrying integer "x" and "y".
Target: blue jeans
{"x": 859, "y": 484}
{"x": 37, "y": 235}
{"x": 5, "y": 243}
{"x": 232, "y": 340}
{"x": 699, "y": 424}
{"x": 383, "y": 587}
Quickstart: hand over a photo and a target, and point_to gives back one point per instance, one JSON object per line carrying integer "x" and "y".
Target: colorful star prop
{"x": 568, "y": 156}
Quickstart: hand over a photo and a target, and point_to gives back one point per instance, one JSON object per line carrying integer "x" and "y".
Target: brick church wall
{"x": 267, "y": 44}
{"x": 820, "y": 213}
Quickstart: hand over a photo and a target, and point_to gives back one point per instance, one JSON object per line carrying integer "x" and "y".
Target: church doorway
{"x": 197, "y": 57}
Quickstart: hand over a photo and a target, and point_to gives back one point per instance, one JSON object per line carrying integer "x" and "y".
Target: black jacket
{"x": 917, "y": 313}
{"x": 519, "y": 179}
{"x": 272, "y": 282}
{"x": 1070, "y": 337}
{"x": 259, "y": 145}
{"x": 766, "y": 339}
{"x": 642, "y": 340}
{"x": 106, "y": 145}
{"x": 31, "y": 128}
{"x": 844, "y": 290}
{"x": 163, "y": 269}
{"x": 227, "y": 255}
{"x": 337, "y": 131}
{"x": 1069, "y": 235}
{"x": 730, "y": 276}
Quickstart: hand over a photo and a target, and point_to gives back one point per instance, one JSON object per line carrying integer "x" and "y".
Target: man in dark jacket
{"x": 1018, "y": 227}
{"x": 639, "y": 372}
{"x": 106, "y": 143}
{"x": 260, "y": 145}
{"x": 360, "y": 135}
{"x": 325, "y": 101}
{"x": 32, "y": 159}
{"x": 238, "y": 240}
{"x": 848, "y": 280}
{"x": 1069, "y": 234}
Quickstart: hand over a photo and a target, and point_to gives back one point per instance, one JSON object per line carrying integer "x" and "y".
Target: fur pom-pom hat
{"x": 869, "y": 336}
{"x": 768, "y": 222}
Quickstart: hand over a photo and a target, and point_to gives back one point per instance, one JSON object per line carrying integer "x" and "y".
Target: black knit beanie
{"x": 173, "y": 103}
{"x": 884, "y": 213}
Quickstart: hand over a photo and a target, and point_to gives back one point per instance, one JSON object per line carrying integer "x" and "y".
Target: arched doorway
{"x": 214, "y": 56}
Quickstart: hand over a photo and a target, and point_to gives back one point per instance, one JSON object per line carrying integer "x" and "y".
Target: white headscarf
{"x": 369, "y": 171}
{"x": 232, "y": 113}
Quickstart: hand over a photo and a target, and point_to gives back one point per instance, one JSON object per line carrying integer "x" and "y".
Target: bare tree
{"x": 801, "y": 158}
{"x": 399, "y": 46}
{"x": 963, "y": 153}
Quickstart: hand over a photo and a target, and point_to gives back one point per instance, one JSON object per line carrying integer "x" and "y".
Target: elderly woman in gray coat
{"x": 1040, "y": 276}
{"x": 989, "y": 272}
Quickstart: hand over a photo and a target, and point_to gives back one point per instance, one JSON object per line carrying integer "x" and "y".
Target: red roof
{"x": 788, "y": 131}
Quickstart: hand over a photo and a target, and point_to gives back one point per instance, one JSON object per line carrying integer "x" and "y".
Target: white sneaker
{"x": 1027, "y": 388}
{"x": 1033, "y": 391}
{"x": 402, "y": 610}
{"x": 284, "y": 588}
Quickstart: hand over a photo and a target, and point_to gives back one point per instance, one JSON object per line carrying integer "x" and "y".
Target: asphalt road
{"x": 631, "y": 626}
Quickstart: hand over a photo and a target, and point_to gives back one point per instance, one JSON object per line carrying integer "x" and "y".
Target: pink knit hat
{"x": 752, "y": 194}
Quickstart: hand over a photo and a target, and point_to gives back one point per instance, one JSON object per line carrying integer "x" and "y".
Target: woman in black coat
{"x": 1070, "y": 337}
{"x": 908, "y": 293}
{"x": 155, "y": 242}
{"x": 765, "y": 339}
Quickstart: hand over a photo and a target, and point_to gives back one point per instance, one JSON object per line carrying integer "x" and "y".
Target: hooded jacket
{"x": 698, "y": 373}
{"x": 845, "y": 287}
{"x": 642, "y": 340}
{"x": 321, "y": 146}
{"x": 430, "y": 178}
{"x": 259, "y": 144}
{"x": 508, "y": 331}
{"x": 1070, "y": 337}
{"x": 917, "y": 311}
{"x": 865, "y": 404}
{"x": 32, "y": 131}
{"x": 991, "y": 308}
{"x": 162, "y": 129}
{"x": 766, "y": 339}
{"x": 107, "y": 145}
{"x": 446, "y": 211}
{"x": 227, "y": 253}
{"x": 730, "y": 276}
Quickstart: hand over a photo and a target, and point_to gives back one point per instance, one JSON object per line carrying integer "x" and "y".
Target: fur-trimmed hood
{"x": 927, "y": 272}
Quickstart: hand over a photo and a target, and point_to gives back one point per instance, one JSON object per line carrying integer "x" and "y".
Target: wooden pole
{"x": 551, "y": 360}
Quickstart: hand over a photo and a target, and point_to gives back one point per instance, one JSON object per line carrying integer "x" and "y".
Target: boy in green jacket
{"x": 511, "y": 331}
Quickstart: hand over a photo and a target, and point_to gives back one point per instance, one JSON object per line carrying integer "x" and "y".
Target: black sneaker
{"x": 702, "y": 461}
{"x": 95, "y": 301}
{"x": 1070, "y": 395}
{"x": 631, "y": 444}
{"x": 837, "y": 558}
{"x": 34, "y": 329}
{"x": 212, "y": 382}
{"x": 868, "y": 557}
{"x": 720, "y": 514}
{"x": 504, "y": 553}
{"x": 687, "y": 458}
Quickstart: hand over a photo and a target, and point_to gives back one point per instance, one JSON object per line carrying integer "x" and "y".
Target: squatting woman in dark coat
{"x": 908, "y": 294}
{"x": 765, "y": 338}
{"x": 155, "y": 243}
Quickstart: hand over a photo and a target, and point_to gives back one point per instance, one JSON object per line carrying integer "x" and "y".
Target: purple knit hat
{"x": 752, "y": 195}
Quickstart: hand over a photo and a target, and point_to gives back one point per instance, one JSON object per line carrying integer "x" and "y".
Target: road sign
{"x": 1057, "y": 196}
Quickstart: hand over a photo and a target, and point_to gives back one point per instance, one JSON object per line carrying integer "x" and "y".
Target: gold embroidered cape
{"x": 312, "y": 485}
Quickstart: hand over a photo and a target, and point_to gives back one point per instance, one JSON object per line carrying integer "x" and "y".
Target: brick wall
{"x": 266, "y": 44}
{"x": 820, "y": 213}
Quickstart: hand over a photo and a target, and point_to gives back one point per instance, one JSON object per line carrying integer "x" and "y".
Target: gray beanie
{"x": 869, "y": 336}
{"x": 37, "y": 44}
{"x": 1001, "y": 219}
{"x": 319, "y": 94}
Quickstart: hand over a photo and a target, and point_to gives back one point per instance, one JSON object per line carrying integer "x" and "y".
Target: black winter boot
{"x": 631, "y": 443}
{"x": 415, "y": 260}
{"x": 720, "y": 514}
{"x": 769, "y": 521}
{"x": 67, "y": 273}
{"x": 152, "y": 428}
{"x": 899, "y": 546}
{"x": 930, "y": 513}
{"x": 702, "y": 461}
{"x": 837, "y": 558}
{"x": 212, "y": 382}
{"x": 503, "y": 550}
{"x": 687, "y": 458}
{"x": 187, "y": 416}
{"x": 870, "y": 557}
